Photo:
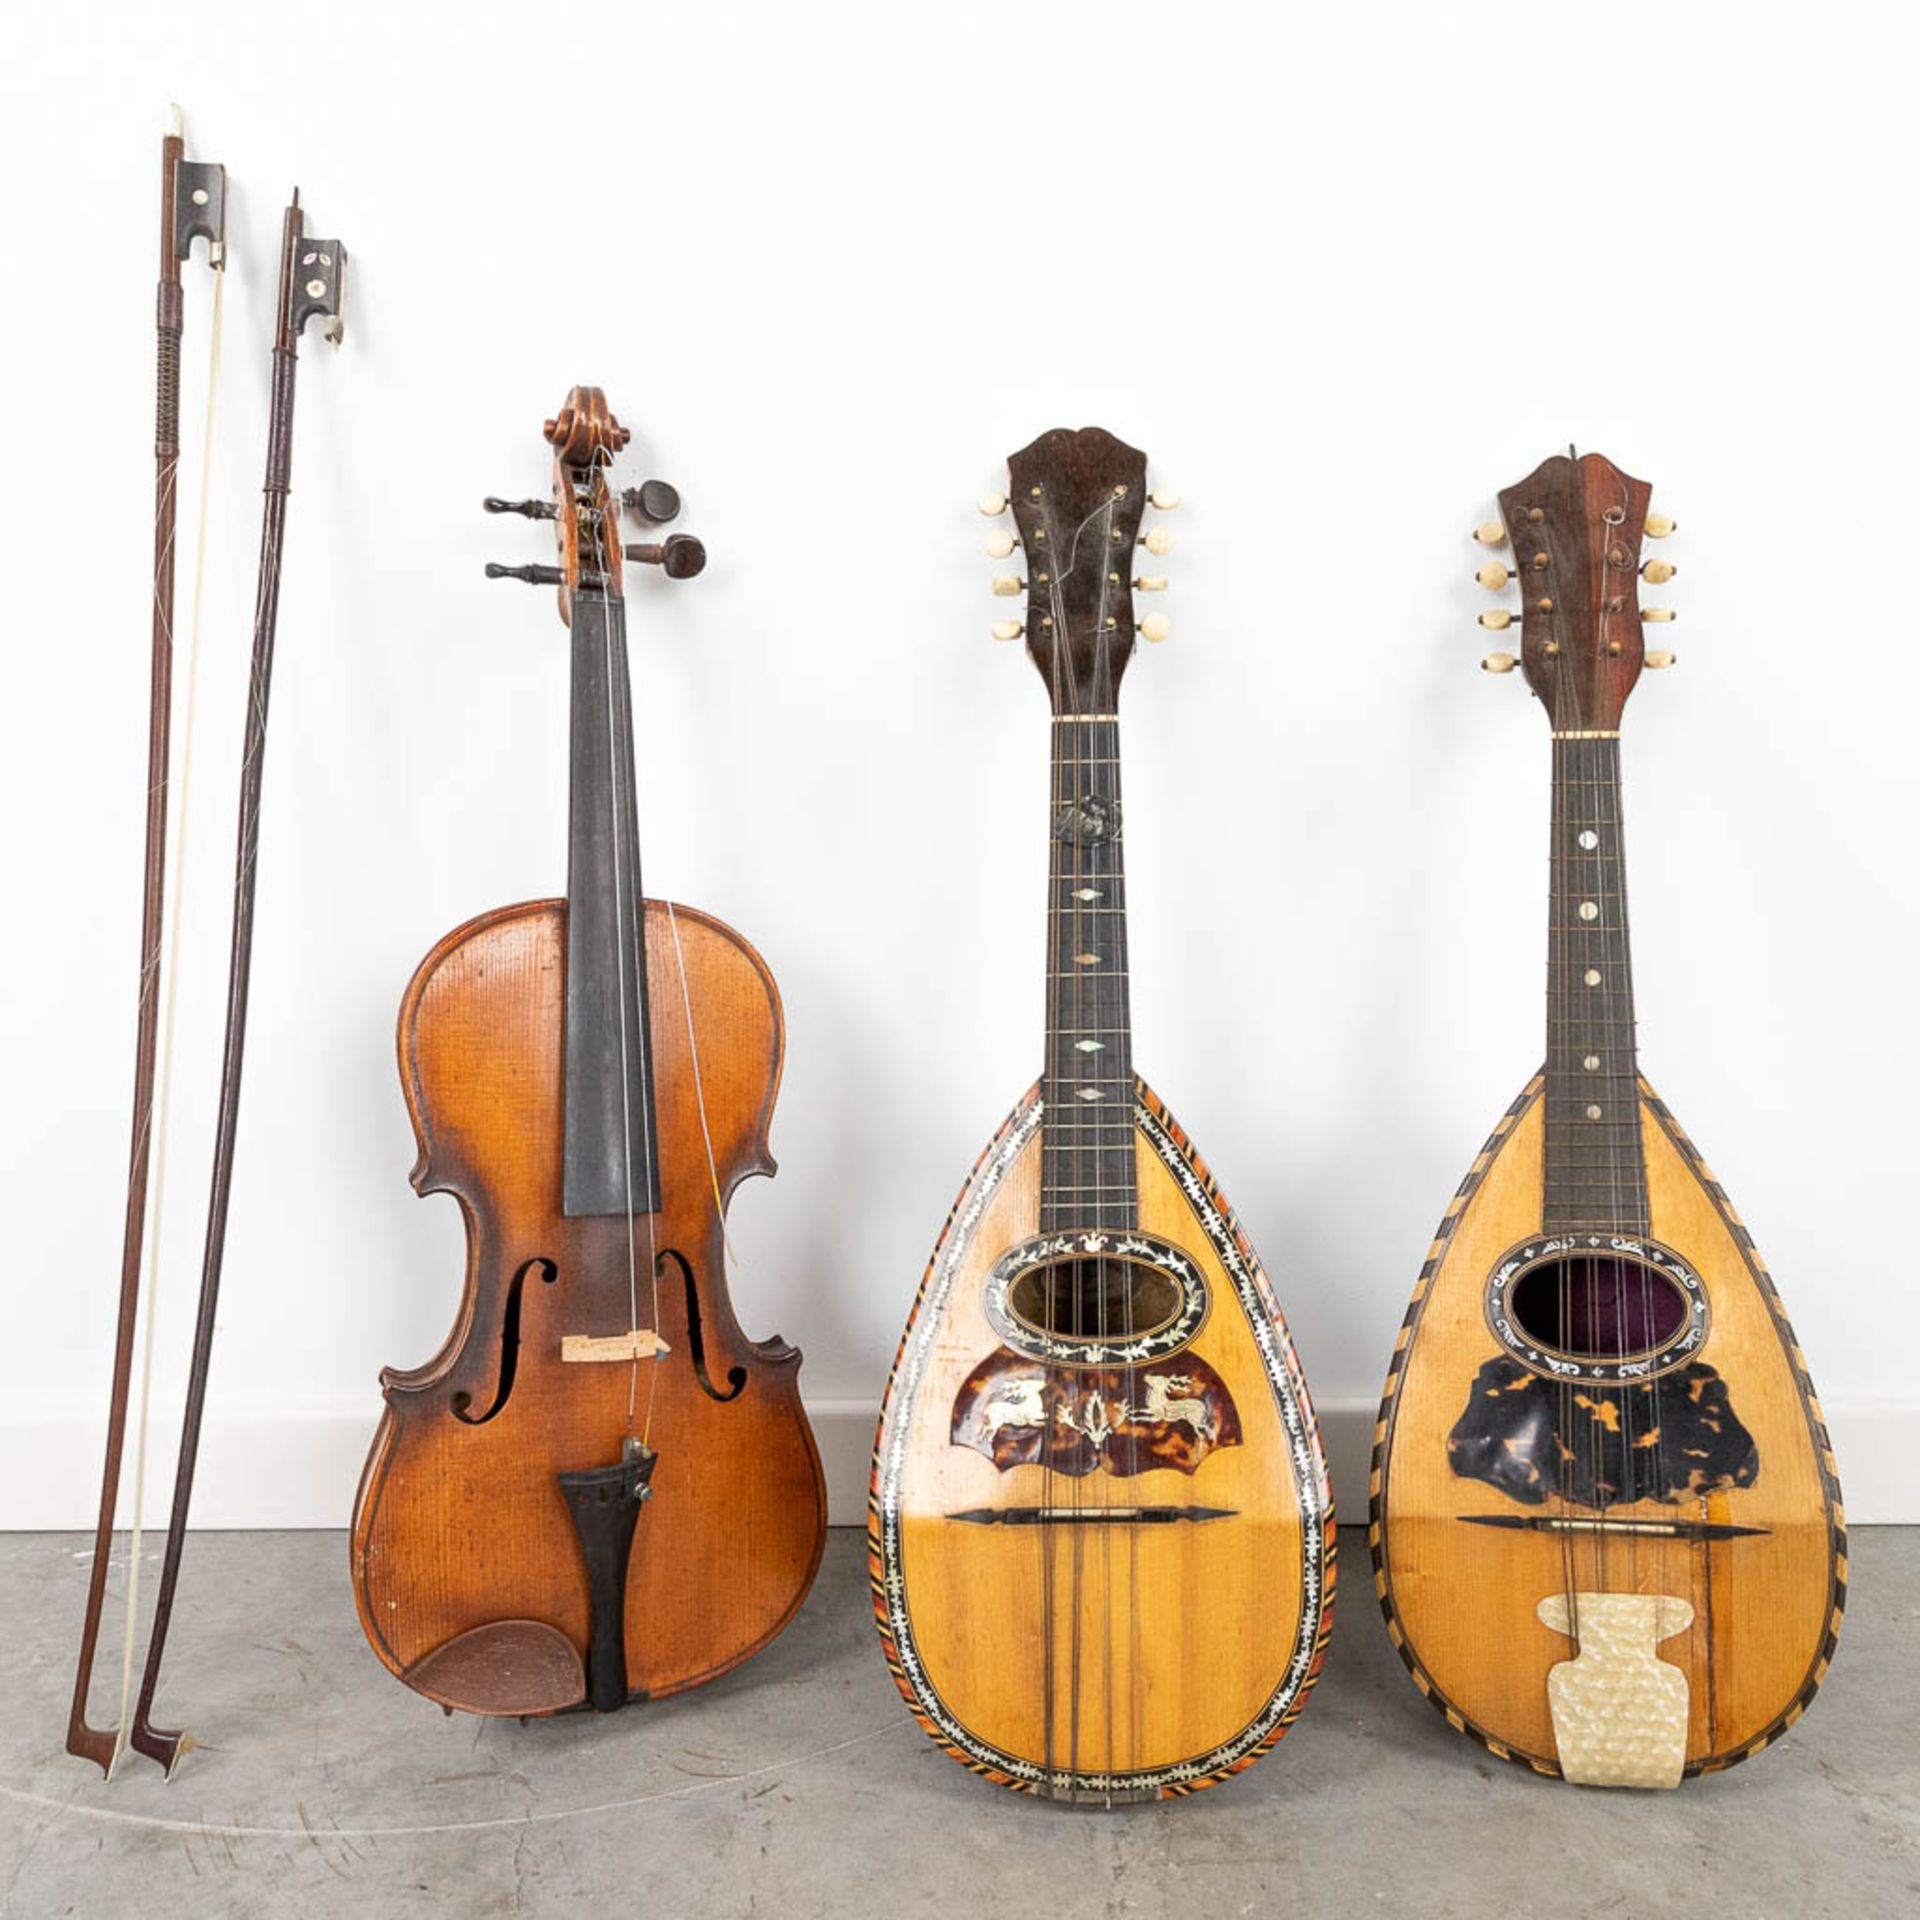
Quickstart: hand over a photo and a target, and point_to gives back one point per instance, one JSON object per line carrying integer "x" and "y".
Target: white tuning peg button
{"x": 1008, "y": 584}
{"x": 1151, "y": 583}
{"x": 1660, "y": 657}
{"x": 1493, "y": 576}
{"x": 1000, "y": 543}
{"x": 1490, "y": 533}
{"x": 1008, "y": 629}
{"x": 1496, "y": 619}
{"x": 1498, "y": 663}
{"x": 1157, "y": 541}
{"x": 1164, "y": 498}
{"x": 1156, "y": 626}
{"x": 1658, "y": 616}
{"x": 993, "y": 503}
{"x": 1658, "y": 572}
{"x": 1659, "y": 525}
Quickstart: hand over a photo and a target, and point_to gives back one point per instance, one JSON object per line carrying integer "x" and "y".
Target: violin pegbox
{"x": 584, "y": 437}
{"x": 1574, "y": 528}
{"x": 1076, "y": 501}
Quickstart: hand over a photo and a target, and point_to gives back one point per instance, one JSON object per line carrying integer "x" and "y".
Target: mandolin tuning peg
{"x": 652, "y": 503}
{"x": 1498, "y": 663}
{"x": 680, "y": 556}
{"x": 1497, "y": 619}
{"x": 1008, "y": 629}
{"x": 1155, "y": 627}
{"x": 1150, "y": 583}
{"x": 533, "y": 576}
{"x": 1006, "y": 585}
{"x": 1000, "y": 543}
{"x": 528, "y": 509}
{"x": 1658, "y": 616}
{"x": 1490, "y": 533}
{"x": 1659, "y": 525}
{"x": 992, "y": 504}
{"x": 1660, "y": 657}
{"x": 1164, "y": 499}
{"x": 1157, "y": 541}
{"x": 1658, "y": 572}
{"x": 1493, "y": 576}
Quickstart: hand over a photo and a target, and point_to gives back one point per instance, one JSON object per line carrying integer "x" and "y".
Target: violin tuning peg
{"x": 528, "y": 509}
{"x": 1490, "y": 533}
{"x": 1164, "y": 499}
{"x": 1660, "y": 657}
{"x": 1157, "y": 541}
{"x": 1155, "y": 627}
{"x": 1498, "y": 663}
{"x": 533, "y": 576}
{"x": 1493, "y": 576}
{"x": 1006, "y": 585}
{"x": 1659, "y": 525}
{"x": 1151, "y": 583}
{"x": 680, "y": 556}
{"x": 1658, "y": 572}
{"x": 652, "y": 503}
{"x": 1658, "y": 616}
{"x": 1000, "y": 543}
{"x": 1008, "y": 629}
{"x": 992, "y": 504}
{"x": 1497, "y": 619}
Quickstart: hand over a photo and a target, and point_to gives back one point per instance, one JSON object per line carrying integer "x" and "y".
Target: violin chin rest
{"x": 504, "y": 1667}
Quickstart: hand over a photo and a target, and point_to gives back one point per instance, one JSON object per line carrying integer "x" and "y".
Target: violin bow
{"x": 313, "y": 281}
{"x": 193, "y": 205}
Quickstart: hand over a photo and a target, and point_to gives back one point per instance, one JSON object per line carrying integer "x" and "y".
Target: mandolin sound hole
{"x": 1094, "y": 1296}
{"x": 1597, "y": 1306}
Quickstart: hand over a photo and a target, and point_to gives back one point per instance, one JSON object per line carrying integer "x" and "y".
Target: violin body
{"x": 1101, "y": 1658}
{"x": 1737, "y": 1438}
{"x": 467, "y": 1563}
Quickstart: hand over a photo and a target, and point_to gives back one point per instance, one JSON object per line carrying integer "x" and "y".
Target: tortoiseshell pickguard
{"x": 1670, "y": 1439}
{"x": 1076, "y": 1420}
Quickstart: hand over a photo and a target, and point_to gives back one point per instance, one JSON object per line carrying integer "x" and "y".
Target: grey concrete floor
{"x": 798, "y": 1787}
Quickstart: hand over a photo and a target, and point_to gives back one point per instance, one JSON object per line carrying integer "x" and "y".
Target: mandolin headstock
{"x": 1077, "y": 500}
{"x": 1576, "y": 527}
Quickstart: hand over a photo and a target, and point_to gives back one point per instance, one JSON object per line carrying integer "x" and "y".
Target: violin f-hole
{"x": 461, "y": 1401}
{"x": 696, "y": 1342}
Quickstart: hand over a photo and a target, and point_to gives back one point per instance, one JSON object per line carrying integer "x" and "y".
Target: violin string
{"x": 699, "y": 1090}
{"x": 158, "y": 1116}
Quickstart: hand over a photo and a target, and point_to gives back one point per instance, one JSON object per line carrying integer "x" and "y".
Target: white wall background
{"x": 1343, "y": 273}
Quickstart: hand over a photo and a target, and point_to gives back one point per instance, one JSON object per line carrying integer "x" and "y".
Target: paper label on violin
{"x": 641, "y": 1344}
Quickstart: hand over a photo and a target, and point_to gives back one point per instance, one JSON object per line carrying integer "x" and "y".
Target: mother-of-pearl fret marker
{"x": 1589, "y": 839}
{"x": 1087, "y": 893}
{"x": 1593, "y": 976}
{"x": 1088, "y": 1046}
{"x": 1589, "y": 910}
{"x": 1592, "y": 1063}
{"x": 1091, "y": 1093}
{"x": 1086, "y": 959}
{"x": 1593, "y": 1113}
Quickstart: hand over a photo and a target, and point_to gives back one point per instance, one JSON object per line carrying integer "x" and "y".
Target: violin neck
{"x": 612, "y": 1158}
{"x": 1086, "y": 1151}
{"x": 1595, "y": 1168}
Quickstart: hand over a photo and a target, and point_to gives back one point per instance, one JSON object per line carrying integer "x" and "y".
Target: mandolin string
{"x": 157, "y": 1116}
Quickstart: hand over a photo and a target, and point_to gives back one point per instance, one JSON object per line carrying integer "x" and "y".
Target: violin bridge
{"x": 588, "y": 1349}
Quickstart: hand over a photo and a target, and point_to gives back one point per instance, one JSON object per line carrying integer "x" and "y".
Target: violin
{"x": 599, "y": 1490}
{"x": 1101, "y": 1533}
{"x": 1606, "y": 1523}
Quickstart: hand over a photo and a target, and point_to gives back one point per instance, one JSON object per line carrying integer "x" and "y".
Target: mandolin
{"x": 1101, "y": 1535}
{"x": 599, "y": 1490}
{"x": 1606, "y": 1525}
